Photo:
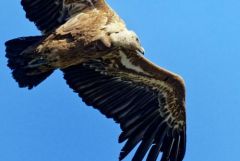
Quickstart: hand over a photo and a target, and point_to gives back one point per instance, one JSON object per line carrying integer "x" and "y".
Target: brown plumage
{"x": 103, "y": 62}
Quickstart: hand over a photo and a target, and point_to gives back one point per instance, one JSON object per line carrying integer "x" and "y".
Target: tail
{"x": 20, "y": 59}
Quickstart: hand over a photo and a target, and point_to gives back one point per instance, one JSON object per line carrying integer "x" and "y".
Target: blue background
{"x": 197, "y": 39}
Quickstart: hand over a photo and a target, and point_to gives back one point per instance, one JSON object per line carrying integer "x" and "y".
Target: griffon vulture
{"x": 103, "y": 62}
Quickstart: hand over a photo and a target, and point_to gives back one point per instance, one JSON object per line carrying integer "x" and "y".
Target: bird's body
{"x": 99, "y": 29}
{"x": 103, "y": 62}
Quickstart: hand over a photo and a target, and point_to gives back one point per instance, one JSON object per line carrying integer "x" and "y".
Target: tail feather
{"x": 18, "y": 61}
{"x": 15, "y": 47}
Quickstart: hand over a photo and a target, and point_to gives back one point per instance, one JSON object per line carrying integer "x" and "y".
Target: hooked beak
{"x": 141, "y": 50}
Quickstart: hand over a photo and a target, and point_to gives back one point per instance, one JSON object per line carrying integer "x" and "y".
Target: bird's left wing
{"x": 147, "y": 101}
{"x": 49, "y": 14}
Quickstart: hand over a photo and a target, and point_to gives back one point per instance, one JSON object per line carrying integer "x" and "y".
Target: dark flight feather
{"x": 135, "y": 107}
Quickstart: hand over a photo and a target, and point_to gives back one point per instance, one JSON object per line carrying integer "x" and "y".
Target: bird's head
{"x": 127, "y": 40}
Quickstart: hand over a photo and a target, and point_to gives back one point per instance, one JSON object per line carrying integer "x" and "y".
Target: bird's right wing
{"x": 147, "y": 101}
{"x": 50, "y": 14}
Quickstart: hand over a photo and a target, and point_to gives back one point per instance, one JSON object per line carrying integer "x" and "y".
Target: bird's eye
{"x": 137, "y": 39}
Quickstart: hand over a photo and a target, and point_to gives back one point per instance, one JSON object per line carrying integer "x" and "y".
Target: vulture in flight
{"x": 103, "y": 62}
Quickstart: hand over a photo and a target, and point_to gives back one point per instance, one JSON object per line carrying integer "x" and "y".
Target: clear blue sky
{"x": 196, "y": 39}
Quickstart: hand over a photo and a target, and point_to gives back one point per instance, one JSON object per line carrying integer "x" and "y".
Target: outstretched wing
{"x": 147, "y": 101}
{"x": 49, "y": 14}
